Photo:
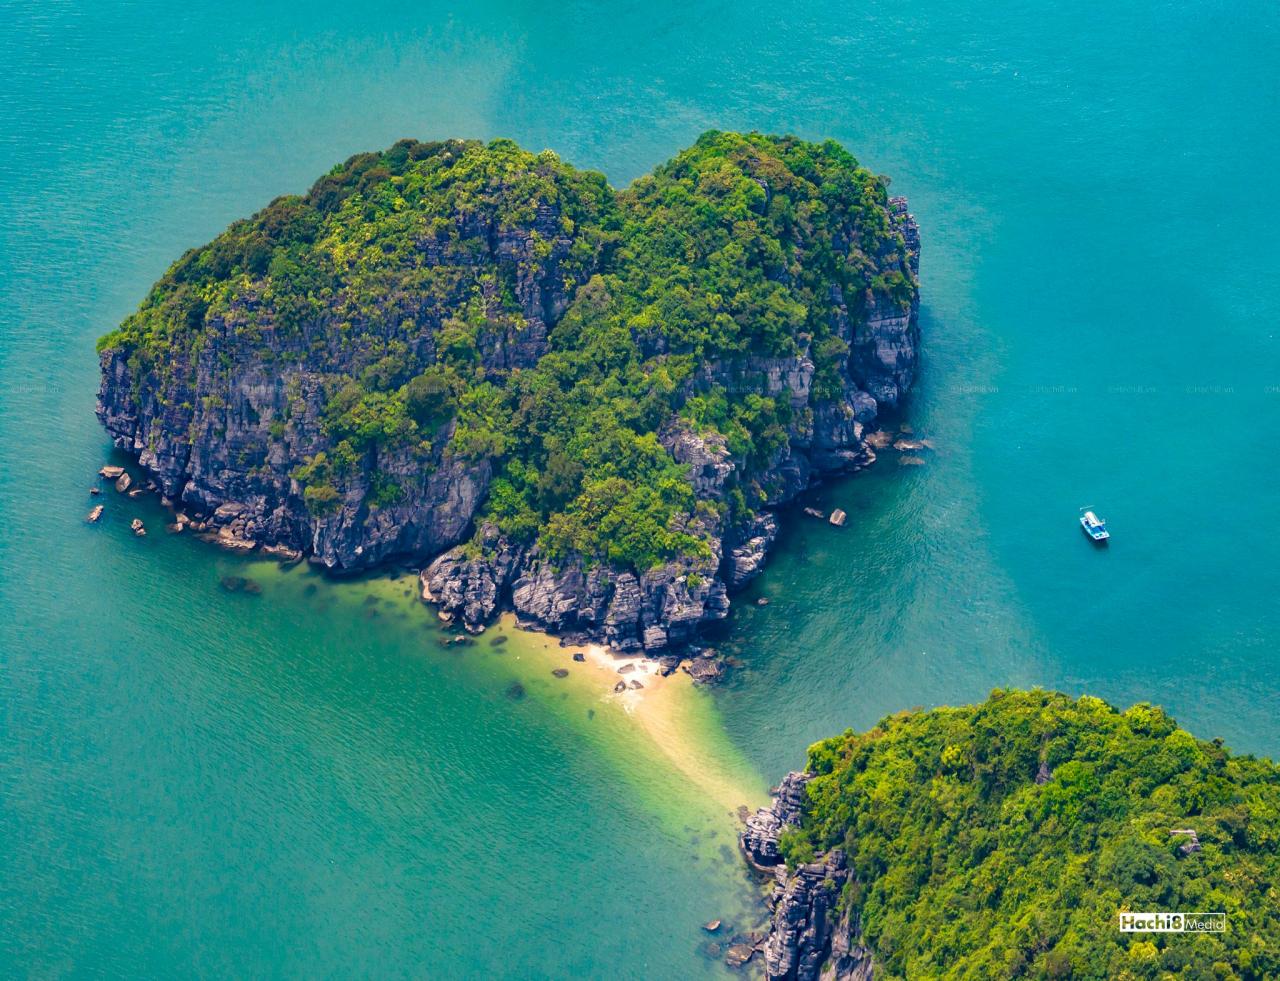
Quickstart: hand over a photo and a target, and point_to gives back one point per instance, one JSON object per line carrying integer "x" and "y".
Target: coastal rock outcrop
{"x": 372, "y": 372}
{"x": 759, "y": 839}
{"x": 811, "y": 936}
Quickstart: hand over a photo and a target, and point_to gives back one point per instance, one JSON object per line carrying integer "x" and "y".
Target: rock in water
{"x": 282, "y": 553}
{"x": 284, "y": 420}
{"x": 704, "y": 670}
{"x": 123, "y": 482}
{"x": 94, "y": 514}
{"x": 137, "y": 526}
{"x": 111, "y": 473}
{"x": 838, "y": 518}
{"x": 738, "y": 955}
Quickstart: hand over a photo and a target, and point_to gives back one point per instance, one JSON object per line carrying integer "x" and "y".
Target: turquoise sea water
{"x": 304, "y": 783}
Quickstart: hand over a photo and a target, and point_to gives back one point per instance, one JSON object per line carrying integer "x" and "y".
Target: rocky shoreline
{"x": 810, "y": 937}
{"x": 223, "y": 429}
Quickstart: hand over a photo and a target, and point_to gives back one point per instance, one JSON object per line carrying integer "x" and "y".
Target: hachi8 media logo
{"x": 1172, "y": 922}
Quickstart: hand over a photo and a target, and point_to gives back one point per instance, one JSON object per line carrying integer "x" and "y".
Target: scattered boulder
{"x": 174, "y": 528}
{"x": 123, "y": 482}
{"x": 908, "y": 445}
{"x": 627, "y": 668}
{"x": 94, "y": 515}
{"x": 229, "y": 540}
{"x": 738, "y": 955}
{"x": 878, "y": 440}
{"x": 762, "y": 601}
{"x": 515, "y": 691}
{"x": 286, "y": 555}
{"x": 95, "y": 491}
{"x": 636, "y": 684}
{"x": 136, "y": 492}
{"x": 712, "y": 926}
{"x": 838, "y": 518}
{"x": 815, "y": 513}
{"x": 704, "y": 670}
{"x": 667, "y": 665}
{"x": 621, "y": 686}
{"x": 910, "y": 461}
{"x": 561, "y": 672}
{"x": 138, "y": 529}
{"x": 111, "y": 473}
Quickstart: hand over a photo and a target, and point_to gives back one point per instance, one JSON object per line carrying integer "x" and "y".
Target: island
{"x": 1005, "y": 840}
{"x": 578, "y": 403}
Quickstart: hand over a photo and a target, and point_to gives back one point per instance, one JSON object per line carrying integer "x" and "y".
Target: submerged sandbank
{"x": 662, "y": 734}
{"x": 675, "y": 718}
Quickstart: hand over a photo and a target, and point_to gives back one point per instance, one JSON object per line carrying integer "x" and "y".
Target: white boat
{"x": 1094, "y": 527}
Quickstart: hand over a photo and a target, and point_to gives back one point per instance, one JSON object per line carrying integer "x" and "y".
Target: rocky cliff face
{"x": 664, "y": 607}
{"x": 225, "y": 421}
{"x": 230, "y": 422}
{"x": 810, "y": 937}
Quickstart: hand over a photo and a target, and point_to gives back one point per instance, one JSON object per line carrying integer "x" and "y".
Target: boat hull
{"x": 1099, "y": 536}
{"x": 1094, "y": 527}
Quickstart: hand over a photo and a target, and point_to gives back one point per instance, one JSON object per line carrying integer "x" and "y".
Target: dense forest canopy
{"x": 1002, "y": 840}
{"x": 418, "y": 279}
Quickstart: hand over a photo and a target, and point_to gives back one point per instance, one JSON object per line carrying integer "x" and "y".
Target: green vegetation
{"x": 966, "y": 867}
{"x": 386, "y": 278}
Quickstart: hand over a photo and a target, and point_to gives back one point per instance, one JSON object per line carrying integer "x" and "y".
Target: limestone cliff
{"x": 810, "y": 937}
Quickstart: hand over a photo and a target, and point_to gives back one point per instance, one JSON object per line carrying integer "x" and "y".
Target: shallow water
{"x": 303, "y": 783}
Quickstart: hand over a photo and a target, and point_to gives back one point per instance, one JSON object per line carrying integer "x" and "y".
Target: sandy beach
{"x": 670, "y": 714}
